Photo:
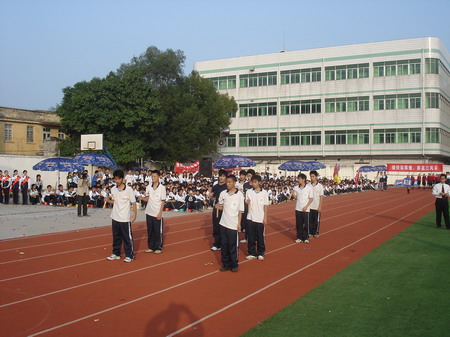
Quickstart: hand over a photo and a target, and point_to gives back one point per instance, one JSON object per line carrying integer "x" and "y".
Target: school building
{"x": 372, "y": 103}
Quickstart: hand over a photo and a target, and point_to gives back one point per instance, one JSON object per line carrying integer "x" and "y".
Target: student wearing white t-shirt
{"x": 316, "y": 205}
{"x": 155, "y": 199}
{"x": 231, "y": 202}
{"x": 303, "y": 193}
{"x": 121, "y": 198}
{"x": 257, "y": 200}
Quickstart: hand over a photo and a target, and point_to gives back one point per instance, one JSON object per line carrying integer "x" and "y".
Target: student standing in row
{"x": 155, "y": 198}
{"x": 316, "y": 205}
{"x": 303, "y": 193}
{"x": 6, "y": 186}
{"x": 24, "y": 187}
{"x": 231, "y": 202}
{"x": 216, "y": 190}
{"x": 257, "y": 200}
{"x": 246, "y": 187}
{"x": 442, "y": 191}
{"x": 15, "y": 186}
{"x": 121, "y": 198}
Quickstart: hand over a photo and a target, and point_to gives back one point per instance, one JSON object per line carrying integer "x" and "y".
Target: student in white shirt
{"x": 303, "y": 193}
{"x": 442, "y": 191}
{"x": 155, "y": 198}
{"x": 316, "y": 205}
{"x": 257, "y": 200}
{"x": 231, "y": 202}
{"x": 129, "y": 178}
{"x": 121, "y": 198}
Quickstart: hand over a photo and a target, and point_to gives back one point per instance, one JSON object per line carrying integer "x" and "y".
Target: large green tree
{"x": 147, "y": 109}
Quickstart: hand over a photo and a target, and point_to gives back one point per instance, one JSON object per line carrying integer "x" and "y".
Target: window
{"x": 347, "y": 137}
{"x": 431, "y": 66}
{"x": 231, "y": 114}
{"x": 231, "y": 141}
{"x": 45, "y": 133}
{"x": 391, "y": 136}
{"x": 8, "y": 132}
{"x": 393, "y": 102}
{"x": 301, "y": 76}
{"x": 300, "y": 138}
{"x": 312, "y": 106}
{"x": 432, "y": 100}
{"x": 258, "y": 109}
{"x": 223, "y": 83}
{"x": 393, "y": 68}
{"x": 432, "y": 135}
{"x": 258, "y": 80}
{"x": 347, "y": 104}
{"x": 62, "y": 135}
{"x": 30, "y": 134}
{"x": 347, "y": 72}
{"x": 258, "y": 139}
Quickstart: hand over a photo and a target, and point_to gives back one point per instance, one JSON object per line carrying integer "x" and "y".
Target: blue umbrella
{"x": 58, "y": 164}
{"x": 94, "y": 159}
{"x": 294, "y": 165}
{"x": 232, "y": 161}
{"x": 380, "y": 168}
{"x": 315, "y": 165}
{"x": 367, "y": 169}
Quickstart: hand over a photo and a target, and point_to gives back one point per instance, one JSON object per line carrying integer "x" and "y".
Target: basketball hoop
{"x": 91, "y": 142}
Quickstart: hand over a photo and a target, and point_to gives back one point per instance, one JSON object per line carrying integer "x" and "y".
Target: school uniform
{"x": 233, "y": 204}
{"x": 121, "y": 220}
{"x": 244, "y": 224}
{"x": 15, "y": 186}
{"x": 441, "y": 204}
{"x": 6, "y": 185}
{"x": 1, "y": 188}
{"x": 34, "y": 196}
{"x": 217, "y": 214}
{"x": 190, "y": 202}
{"x": 82, "y": 196}
{"x": 48, "y": 196}
{"x": 302, "y": 217}
{"x": 255, "y": 218}
{"x": 24, "y": 186}
{"x": 156, "y": 196}
{"x": 314, "y": 214}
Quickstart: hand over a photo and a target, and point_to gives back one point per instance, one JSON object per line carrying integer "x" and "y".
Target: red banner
{"x": 415, "y": 167}
{"x": 192, "y": 168}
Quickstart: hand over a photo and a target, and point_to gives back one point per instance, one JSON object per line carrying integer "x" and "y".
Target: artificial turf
{"x": 400, "y": 289}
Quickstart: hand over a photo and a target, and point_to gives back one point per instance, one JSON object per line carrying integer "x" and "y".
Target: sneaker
{"x": 235, "y": 269}
{"x": 128, "y": 259}
{"x": 158, "y": 251}
{"x": 224, "y": 269}
{"x": 260, "y": 257}
{"x": 214, "y": 248}
{"x": 316, "y": 236}
{"x": 113, "y": 257}
{"x": 250, "y": 257}
{"x": 298, "y": 241}
{"x": 243, "y": 241}
{"x": 148, "y": 251}
{"x": 306, "y": 241}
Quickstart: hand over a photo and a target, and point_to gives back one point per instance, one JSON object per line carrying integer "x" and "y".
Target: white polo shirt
{"x": 122, "y": 199}
{"x": 233, "y": 204}
{"x": 303, "y": 196}
{"x": 257, "y": 202}
{"x": 317, "y": 193}
{"x": 156, "y": 196}
{"x": 438, "y": 189}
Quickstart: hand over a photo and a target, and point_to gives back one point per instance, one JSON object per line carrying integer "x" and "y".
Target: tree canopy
{"x": 147, "y": 109}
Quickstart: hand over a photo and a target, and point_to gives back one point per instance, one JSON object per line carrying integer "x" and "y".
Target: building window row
{"x": 312, "y": 106}
{"x": 347, "y": 72}
{"x": 347, "y": 104}
{"x": 258, "y": 109}
{"x": 301, "y": 76}
{"x": 394, "y": 68}
{"x": 258, "y": 80}
{"x": 224, "y": 82}
{"x": 342, "y": 137}
{"x": 394, "y": 102}
{"x": 46, "y": 133}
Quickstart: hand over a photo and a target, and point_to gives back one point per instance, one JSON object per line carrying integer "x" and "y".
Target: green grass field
{"x": 400, "y": 289}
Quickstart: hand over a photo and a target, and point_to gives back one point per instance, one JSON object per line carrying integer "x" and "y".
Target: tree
{"x": 147, "y": 109}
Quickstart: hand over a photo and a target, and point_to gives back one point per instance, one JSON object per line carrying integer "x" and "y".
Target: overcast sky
{"x": 46, "y": 45}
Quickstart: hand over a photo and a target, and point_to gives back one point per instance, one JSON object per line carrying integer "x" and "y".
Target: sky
{"x": 47, "y": 45}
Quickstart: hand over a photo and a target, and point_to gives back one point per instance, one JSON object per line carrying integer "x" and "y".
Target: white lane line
{"x": 166, "y": 262}
{"x": 212, "y": 273}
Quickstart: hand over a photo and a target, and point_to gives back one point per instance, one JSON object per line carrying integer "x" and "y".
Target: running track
{"x": 62, "y": 285}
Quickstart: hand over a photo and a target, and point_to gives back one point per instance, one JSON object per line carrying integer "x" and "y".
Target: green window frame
{"x": 432, "y": 100}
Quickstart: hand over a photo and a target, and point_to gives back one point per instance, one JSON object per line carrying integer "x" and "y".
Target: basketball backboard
{"x": 91, "y": 142}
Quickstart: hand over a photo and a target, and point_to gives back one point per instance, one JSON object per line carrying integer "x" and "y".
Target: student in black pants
{"x": 15, "y": 187}
{"x": 442, "y": 191}
{"x": 217, "y": 213}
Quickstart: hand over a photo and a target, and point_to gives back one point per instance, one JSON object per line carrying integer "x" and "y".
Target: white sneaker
{"x": 243, "y": 241}
{"x": 128, "y": 259}
{"x": 158, "y": 251}
{"x": 260, "y": 258}
{"x": 148, "y": 251}
{"x": 214, "y": 248}
{"x": 250, "y": 257}
{"x": 316, "y": 236}
{"x": 298, "y": 241}
{"x": 113, "y": 257}
{"x": 306, "y": 241}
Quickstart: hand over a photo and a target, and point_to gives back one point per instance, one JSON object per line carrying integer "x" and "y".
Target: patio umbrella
{"x": 94, "y": 159}
{"x": 315, "y": 165}
{"x": 294, "y": 165}
{"x": 58, "y": 164}
{"x": 232, "y": 161}
{"x": 367, "y": 169}
{"x": 380, "y": 168}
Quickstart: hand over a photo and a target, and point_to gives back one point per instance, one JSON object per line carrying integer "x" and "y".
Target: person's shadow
{"x": 168, "y": 321}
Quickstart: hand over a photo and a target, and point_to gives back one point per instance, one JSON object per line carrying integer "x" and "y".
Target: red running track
{"x": 62, "y": 285}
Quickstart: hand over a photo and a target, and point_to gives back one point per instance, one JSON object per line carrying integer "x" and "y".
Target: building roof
{"x": 29, "y": 116}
